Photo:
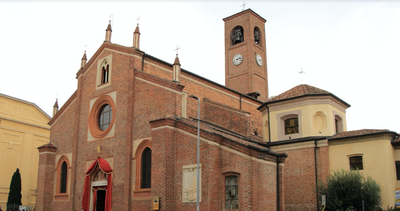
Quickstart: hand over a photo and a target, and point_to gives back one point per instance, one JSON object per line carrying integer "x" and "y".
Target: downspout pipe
{"x": 240, "y": 102}
{"x": 316, "y": 169}
{"x": 269, "y": 125}
{"x": 278, "y": 198}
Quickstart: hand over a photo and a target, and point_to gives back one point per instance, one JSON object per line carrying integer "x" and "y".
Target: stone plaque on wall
{"x": 189, "y": 183}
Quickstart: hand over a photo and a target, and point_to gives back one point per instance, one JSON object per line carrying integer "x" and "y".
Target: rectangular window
{"x": 398, "y": 169}
{"x": 356, "y": 163}
{"x": 291, "y": 126}
{"x": 231, "y": 192}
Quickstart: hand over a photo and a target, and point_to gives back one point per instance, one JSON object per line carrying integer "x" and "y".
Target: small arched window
{"x": 62, "y": 178}
{"x": 145, "y": 177}
{"x": 257, "y": 36}
{"x": 64, "y": 174}
{"x": 105, "y": 73}
{"x": 237, "y": 35}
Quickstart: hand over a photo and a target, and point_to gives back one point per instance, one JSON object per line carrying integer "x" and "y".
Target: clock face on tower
{"x": 259, "y": 60}
{"x": 237, "y": 59}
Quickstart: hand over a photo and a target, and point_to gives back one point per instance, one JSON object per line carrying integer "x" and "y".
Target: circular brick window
{"x": 102, "y": 117}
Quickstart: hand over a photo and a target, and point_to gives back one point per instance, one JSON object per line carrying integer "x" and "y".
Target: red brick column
{"x": 44, "y": 193}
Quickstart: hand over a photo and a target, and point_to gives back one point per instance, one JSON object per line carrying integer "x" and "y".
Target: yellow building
{"x": 23, "y": 128}
{"x": 309, "y": 124}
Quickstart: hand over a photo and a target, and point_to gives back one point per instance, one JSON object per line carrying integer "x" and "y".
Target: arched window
{"x": 143, "y": 169}
{"x": 145, "y": 177}
{"x": 64, "y": 174}
{"x": 289, "y": 125}
{"x": 62, "y": 178}
{"x": 237, "y": 35}
{"x": 105, "y": 73}
{"x": 257, "y": 36}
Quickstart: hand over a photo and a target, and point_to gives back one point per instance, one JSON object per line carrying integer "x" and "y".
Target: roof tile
{"x": 300, "y": 90}
{"x": 347, "y": 134}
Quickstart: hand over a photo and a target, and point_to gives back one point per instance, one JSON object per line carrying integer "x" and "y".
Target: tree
{"x": 14, "y": 196}
{"x": 346, "y": 190}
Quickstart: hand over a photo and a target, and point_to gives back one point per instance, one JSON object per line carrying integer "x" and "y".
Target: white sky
{"x": 350, "y": 49}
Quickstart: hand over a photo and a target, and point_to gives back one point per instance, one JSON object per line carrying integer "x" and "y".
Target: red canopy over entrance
{"x": 104, "y": 167}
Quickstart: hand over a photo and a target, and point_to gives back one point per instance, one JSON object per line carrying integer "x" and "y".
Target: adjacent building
{"x": 23, "y": 128}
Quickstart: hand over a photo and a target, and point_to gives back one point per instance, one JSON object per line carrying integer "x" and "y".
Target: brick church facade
{"x": 126, "y": 138}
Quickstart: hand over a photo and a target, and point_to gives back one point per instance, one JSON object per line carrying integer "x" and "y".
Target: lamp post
{"x": 198, "y": 149}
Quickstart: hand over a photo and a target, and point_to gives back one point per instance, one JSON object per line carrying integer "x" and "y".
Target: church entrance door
{"x": 100, "y": 200}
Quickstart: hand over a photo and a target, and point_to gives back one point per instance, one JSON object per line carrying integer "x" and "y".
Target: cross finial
{"x": 243, "y": 6}
{"x": 111, "y": 15}
{"x": 138, "y": 19}
{"x": 176, "y": 49}
{"x": 301, "y": 72}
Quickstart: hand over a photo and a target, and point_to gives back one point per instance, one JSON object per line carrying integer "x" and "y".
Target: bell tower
{"x": 245, "y": 54}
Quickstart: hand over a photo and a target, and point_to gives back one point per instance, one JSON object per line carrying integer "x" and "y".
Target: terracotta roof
{"x": 397, "y": 139}
{"x": 363, "y": 132}
{"x": 300, "y": 90}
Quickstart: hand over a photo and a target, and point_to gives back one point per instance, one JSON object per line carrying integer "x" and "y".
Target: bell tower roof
{"x": 242, "y": 13}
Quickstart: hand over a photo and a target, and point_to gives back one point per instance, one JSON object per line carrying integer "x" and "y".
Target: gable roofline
{"x": 26, "y": 102}
{"x": 63, "y": 108}
{"x": 134, "y": 50}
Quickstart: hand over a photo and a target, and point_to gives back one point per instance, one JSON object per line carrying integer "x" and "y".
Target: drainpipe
{"x": 269, "y": 125}
{"x": 240, "y": 101}
{"x": 316, "y": 174}
{"x": 278, "y": 199}
{"x": 144, "y": 55}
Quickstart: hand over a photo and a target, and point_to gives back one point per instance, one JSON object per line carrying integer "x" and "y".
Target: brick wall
{"x": 142, "y": 96}
{"x": 174, "y": 145}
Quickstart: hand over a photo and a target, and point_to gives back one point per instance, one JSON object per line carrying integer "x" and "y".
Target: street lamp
{"x": 198, "y": 149}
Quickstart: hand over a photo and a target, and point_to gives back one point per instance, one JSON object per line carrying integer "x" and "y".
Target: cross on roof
{"x": 176, "y": 49}
{"x": 301, "y": 72}
{"x": 243, "y": 5}
{"x": 137, "y": 19}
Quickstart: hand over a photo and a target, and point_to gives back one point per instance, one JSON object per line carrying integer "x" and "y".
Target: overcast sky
{"x": 349, "y": 48}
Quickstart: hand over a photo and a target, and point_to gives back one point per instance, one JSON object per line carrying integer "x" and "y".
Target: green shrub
{"x": 345, "y": 190}
{"x": 14, "y": 196}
